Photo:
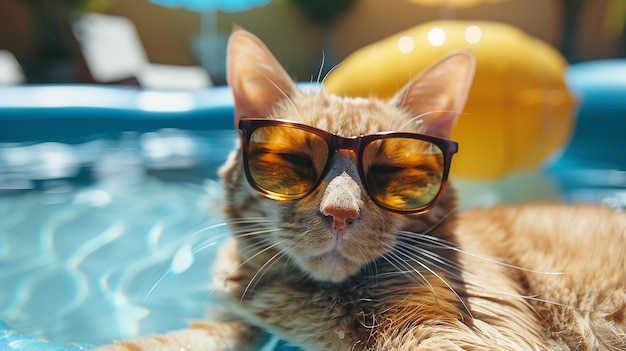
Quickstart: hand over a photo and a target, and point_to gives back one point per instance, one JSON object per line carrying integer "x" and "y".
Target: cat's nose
{"x": 341, "y": 217}
{"x": 342, "y": 202}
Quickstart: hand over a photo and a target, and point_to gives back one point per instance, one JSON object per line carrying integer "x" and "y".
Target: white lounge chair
{"x": 113, "y": 53}
{"x": 10, "y": 70}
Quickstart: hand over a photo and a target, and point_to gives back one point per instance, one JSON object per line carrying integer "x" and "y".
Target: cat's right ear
{"x": 439, "y": 93}
{"x": 256, "y": 78}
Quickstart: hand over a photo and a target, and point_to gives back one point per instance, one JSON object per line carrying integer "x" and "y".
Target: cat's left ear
{"x": 439, "y": 93}
{"x": 256, "y": 78}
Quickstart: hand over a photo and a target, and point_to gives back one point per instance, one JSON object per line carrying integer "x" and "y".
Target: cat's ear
{"x": 439, "y": 93}
{"x": 256, "y": 78}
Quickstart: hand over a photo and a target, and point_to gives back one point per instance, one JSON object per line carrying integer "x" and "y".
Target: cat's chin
{"x": 331, "y": 266}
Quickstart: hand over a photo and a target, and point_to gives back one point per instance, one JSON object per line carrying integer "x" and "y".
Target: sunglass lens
{"x": 286, "y": 161}
{"x": 403, "y": 174}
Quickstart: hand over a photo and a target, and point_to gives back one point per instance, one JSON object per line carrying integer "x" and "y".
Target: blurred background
{"x": 40, "y": 33}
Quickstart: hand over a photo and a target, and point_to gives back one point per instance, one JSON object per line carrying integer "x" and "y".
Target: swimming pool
{"x": 110, "y": 208}
{"x": 105, "y": 228}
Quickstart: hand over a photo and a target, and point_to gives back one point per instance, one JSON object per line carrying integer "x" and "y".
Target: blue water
{"x": 108, "y": 238}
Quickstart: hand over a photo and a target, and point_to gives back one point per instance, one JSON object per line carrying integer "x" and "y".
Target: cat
{"x": 334, "y": 248}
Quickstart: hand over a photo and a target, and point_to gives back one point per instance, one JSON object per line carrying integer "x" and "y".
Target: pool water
{"x": 109, "y": 238}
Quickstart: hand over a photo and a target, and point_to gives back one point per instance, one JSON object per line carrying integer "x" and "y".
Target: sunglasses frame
{"x": 335, "y": 143}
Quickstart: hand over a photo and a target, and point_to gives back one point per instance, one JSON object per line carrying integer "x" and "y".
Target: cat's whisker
{"x": 261, "y": 272}
{"x": 443, "y": 264}
{"x": 438, "y": 276}
{"x": 416, "y": 119}
{"x": 329, "y": 72}
{"x": 215, "y": 240}
{"x": 405, "y": 96}
{"x": 319, "y": 73}
{"x": 302, "y": 234}
{"x": 220, "y": 237}
{"x": 189, "y": 237}
{"x": 401, "y": 266}
{"x": 295, "y": 241}
{"x": 498, "y": 294}
{"x": 257, "y": 250}
{"x": 250, "y": 220}
{"x": 455, "y": 271}
{"x": 287, "y": 97}
{"x": 426, "y": 241}
{"x": 404, "y": 268}
{"x": 372, "y": 269}
{"x": 441, "y": 220}
{"x": 250, "y": 224}
{"x": 440, "y": 243}
{"x": 197, "y": 247}
{"x": 255, "y": 233}
{"x": 319, "y": 91}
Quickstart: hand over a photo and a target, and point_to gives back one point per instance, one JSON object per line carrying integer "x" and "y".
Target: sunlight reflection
{"x": 436, "y": 36}
{"x": 74, "y": 96}
{"x": 406, "y": 44}
{"x": 93, "y": 197}
{"x": 182, "y": 260}
{"x": 473, "y": 34}
{"x": 166, "y": 101}
{"x": 128, "y": 314}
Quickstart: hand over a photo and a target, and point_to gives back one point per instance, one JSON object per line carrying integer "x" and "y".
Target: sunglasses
{"x": 401, "y": 172}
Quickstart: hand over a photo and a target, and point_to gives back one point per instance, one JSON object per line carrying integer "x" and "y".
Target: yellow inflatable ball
{"x": 519, "y": 111}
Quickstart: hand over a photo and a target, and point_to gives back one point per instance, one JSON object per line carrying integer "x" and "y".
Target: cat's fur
{"x": 533, "y": 277}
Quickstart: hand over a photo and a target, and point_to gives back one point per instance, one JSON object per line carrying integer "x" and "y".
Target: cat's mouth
{"x": 334, "y": 258}
{"x": 332, "y": 266}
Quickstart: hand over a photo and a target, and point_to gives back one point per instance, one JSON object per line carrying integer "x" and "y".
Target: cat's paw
{"x": 210, "y": 336}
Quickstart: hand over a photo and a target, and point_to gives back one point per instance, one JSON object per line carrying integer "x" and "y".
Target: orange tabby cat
{"x": 346, "y": 238}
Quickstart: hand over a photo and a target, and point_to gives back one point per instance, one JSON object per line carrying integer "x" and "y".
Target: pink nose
{"x": 341, "y": 217}
{"x": 342, "y": 202}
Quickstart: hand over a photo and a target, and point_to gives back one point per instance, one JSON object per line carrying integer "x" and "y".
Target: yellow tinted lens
{"x": 286, "y": 161}
{"x": 403, "y": 173}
